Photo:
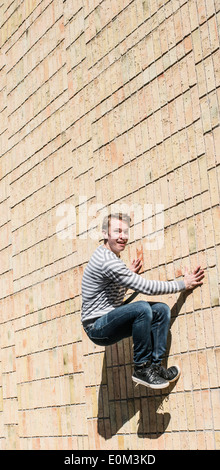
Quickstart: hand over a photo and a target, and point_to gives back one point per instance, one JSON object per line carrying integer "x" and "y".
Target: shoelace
{"x": 151, "y": 373}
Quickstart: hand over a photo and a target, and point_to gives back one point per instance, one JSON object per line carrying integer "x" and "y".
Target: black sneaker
{"x": 147, "y": 375}
{"x": 171, "y": 374}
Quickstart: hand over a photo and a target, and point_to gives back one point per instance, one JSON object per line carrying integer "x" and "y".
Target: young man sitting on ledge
{"x": 107, "y": 320}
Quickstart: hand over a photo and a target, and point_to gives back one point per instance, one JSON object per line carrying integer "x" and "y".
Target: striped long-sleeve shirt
{"x": 106, "y": 279}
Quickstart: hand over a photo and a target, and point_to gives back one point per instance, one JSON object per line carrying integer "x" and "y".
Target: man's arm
{"x": 191, "y": 281}
{"x": 117, "y": 271}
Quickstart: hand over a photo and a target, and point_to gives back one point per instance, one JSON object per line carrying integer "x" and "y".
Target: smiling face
{"x": 117, "y": 235}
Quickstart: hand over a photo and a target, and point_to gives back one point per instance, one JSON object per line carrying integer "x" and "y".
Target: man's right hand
{"x": 136, "y": 265}
{"x": 195, "y": 279}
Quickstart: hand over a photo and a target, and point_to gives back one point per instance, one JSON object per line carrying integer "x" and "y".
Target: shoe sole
{"x": 177, "y": 376}
{"x": 146, "y": 384}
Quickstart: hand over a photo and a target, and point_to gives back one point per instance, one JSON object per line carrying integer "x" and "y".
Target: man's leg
{"x": 160, "y": 327}
{"x": 130, "y": 320}
{"x": 127, "y": 320}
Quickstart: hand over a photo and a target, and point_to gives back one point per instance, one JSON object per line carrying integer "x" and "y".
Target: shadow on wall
{"x": 119, "y": 400}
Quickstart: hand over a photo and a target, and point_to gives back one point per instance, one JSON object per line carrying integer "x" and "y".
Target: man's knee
{"x": 143, "y": 311}
{"x": 144, "y": 307}
{"x": 165, "y": 309}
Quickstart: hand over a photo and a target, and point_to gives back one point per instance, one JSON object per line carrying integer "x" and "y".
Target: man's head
{"x": 115, "y": 228}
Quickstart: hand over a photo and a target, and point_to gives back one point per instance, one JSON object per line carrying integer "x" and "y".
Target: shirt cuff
{"x": 182, "y": 285}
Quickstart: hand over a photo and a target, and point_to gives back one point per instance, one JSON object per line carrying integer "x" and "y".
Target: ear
{"x": 105, "y": 235}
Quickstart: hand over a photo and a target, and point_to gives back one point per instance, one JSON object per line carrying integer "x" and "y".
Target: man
{"x": 107, "y": 320}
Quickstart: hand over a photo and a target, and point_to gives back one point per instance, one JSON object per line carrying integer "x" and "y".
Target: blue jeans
{"x": 147, "y": 322}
